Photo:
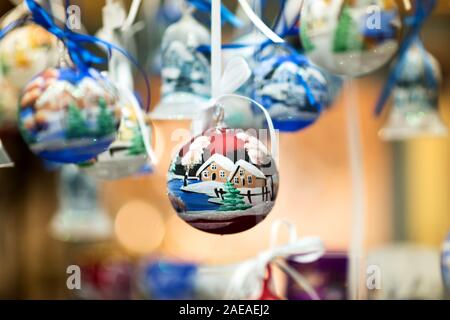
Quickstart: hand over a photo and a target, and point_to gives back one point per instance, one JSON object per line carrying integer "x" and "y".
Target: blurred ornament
{"x": 404, "y": 272}
{"x": 25, "y": 52}
{"x": 163, "y": 280}
{"x": 416, "y": 97}
{"x": 292, "y": 90}
{"x": 223, "y": 181}
{"x": 107, "y": 280}
{"x": 445, "y": 263}
{"x": 350, "y": 38}
{"x": 68, "y": 115}
{"x": 185, "y": 70}
{"x": 131, "y": 152}
{"x": 80, "y": 217}
{"x": 127, "y": 155}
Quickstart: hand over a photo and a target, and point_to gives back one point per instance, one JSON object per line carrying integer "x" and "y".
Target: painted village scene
{"x": 68, "y": 117}
{"x": 223, "y": 182}
{"x": 280, "y": 87}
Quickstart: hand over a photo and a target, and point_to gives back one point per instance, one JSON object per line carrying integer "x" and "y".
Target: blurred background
{"x": 407, "y": 183}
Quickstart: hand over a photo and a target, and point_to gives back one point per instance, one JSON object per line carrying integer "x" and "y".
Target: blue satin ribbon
{"x": 227, "y": 15}
{"x": 423, "y": 10}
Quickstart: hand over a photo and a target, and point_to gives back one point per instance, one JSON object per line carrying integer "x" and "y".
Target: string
{"x": 358, "y": 192}
{"x": 216, "y": 52}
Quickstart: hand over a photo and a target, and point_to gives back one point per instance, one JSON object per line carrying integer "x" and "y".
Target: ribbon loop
{"x": 301, "y": 250}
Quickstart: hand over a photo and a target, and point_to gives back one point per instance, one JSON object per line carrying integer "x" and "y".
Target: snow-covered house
{"x": 246, "y": 175}
{"x": 216, "y": 168}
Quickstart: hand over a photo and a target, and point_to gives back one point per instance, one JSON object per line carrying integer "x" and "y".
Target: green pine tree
{"x": 105, "y": 121}
{"x": 308, "y": 45}
{"x": 137, "y": 143}
{"x": 233, "y": 200}
{"x": 347, "y": 36}
{"x": 76, "y": 125}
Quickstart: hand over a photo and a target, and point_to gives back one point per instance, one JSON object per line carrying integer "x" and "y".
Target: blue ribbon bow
{"x": 423, "y": 10}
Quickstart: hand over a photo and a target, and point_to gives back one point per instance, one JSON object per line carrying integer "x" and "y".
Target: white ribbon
{"x": 250, "y": 274}
{"x": 259, "y": 23}
{"x": 237, "y": 72}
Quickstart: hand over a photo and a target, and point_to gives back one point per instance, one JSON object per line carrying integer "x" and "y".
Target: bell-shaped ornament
{"x": 80, "y": 217}
{"x": 185, "y": 70}
{"x": 416, "y": 98}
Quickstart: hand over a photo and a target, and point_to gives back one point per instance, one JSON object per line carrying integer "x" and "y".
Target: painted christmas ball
{"x": 223, "y": 181}
{"x": 350, "y": 37}
{"x": 289, "y": 87}
{"x": 69, "y": 116}
{"x": 127, "y": 155}
{"x": 26, "y": 51}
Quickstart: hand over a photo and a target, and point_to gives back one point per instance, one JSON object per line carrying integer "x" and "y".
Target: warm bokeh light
{"x": 139, "y": 227}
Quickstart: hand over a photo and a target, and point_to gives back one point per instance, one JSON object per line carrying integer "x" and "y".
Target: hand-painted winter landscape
{"x": 185, "y": 69}
{"x": 293, "y": 91}
{"x": 68, "y": 116}
{"x": 223, "y": 182}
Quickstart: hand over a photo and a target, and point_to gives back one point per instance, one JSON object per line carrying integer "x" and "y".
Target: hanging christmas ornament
{"x": 67, "y": 115}
{"x": 416, "y": 97}
{"x": 80, "y": 216}
{"x": 223, "y": 181}
{"x": 445, "y": 263}
{"x": 25, "y": 52}
{"x": 131, "y": 152}
{"x": 185, "y": 70}
{"x": 293, "y": 91}
{"x": 350, "y": 37}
